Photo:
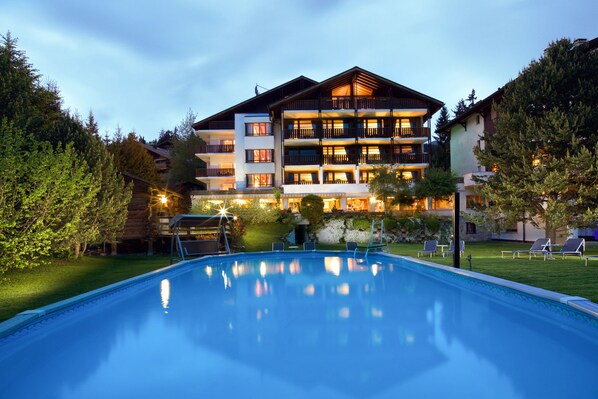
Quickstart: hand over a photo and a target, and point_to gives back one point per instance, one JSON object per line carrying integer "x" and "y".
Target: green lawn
{"x": 32, "y": 288}
{"x": 28, "y": 289}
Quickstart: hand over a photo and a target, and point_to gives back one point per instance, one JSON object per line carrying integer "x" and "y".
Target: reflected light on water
{"x": 309, "y": 290}
{"x": 165, "y": 293}
{"x": 263, "y": 269}
{"x": 333, "y": 265}
{"x": 209, "y": 271}
{"x": 344, "y": 313}
{"x": 375, "y": 269}
{"x": 343, "y": 289}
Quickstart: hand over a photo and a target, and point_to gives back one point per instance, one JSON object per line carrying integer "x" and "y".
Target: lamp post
{"x": 456, "y": 230}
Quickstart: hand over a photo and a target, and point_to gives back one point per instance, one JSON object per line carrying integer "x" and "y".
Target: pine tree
{"x": 471, "y": 98}
{"x": 545, "y": 144}
{"x": 184, "y": 163}
{"x": 441, "y": 156}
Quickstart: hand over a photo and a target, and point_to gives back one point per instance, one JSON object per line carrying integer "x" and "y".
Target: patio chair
{"x": 277, "y": 246}
{"x": 451, "y": 248}
{"x": 572, "y": 246}
{"x": 539, "y": 247}
{"x": 309, "y": 246}
{"x": 430, "y": 247}
{"x": 351, "y": 245}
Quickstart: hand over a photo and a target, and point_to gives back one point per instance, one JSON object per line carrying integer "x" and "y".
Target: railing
{"x": 221, "y": 125}
{"x": 375, "y": 159}
{"x": 302, "y": 159}
{"x": 301, "y": 134}
{"x": 215, "y": 148}
{"x": 301, "y": 182}
{"x": 340, "y": 159}
{"x": 215, "y": 172}
{"x": 411, "y": 132}
{"x": 412, "y": 158}
{"x": 364, "y": 180}
{"x": 373, "y": 132}
{"x": 338, "y": 181}
{"x": 331, "y": 103}
{"x": 338, "y": 133}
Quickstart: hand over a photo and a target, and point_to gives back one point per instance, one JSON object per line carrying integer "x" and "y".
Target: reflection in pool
{"x": 297, "y": 325}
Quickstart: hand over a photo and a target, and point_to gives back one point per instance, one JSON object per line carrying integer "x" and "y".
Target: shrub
{"x": 312, "y": 209}
{"x": 361, "y": 224}
{"x": 390, "y": 224}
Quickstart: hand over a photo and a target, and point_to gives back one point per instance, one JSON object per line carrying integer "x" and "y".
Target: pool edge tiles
{"x": 24, "y": 320}
{"x": 574, "y": 302}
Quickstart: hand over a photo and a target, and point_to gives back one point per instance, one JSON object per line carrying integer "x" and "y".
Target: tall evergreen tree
{"x": 184, "y": 163}
{"x": 441, "y": 156}
{"x": 131, "y": 157}
{"x": 544, "y": 148}
{"x": 460, "y": 108}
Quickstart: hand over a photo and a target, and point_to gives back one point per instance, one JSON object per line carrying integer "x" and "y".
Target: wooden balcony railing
{"x": 301, "y": 181}
{"x": 340, "y": 159}
{"x": 332, "y": 103}
{"x": 215, "y": 172}
{"x": 374, "y": 159}
{"x": 411, "y": 158}
{"x": 216, "y": 149}
{"x": 302, "y": 159}
{"x": 338, "y": 181}
{"x": 411, "y": 132}
{"x": 361, "y": 133}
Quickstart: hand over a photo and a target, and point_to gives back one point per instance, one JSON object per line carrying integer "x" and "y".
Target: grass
{"x": 32, "y": 288}
{"x": 29, "y": 289}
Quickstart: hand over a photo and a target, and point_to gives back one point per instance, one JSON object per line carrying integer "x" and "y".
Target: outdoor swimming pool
{"x": 305, "y": 325}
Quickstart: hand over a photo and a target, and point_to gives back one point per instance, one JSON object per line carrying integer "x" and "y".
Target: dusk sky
{"x": 143, "y": 65}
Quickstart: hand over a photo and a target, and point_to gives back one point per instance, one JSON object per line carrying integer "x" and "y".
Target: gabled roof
{"x": 477, "y": 108}
{"x": 367, "y": 79}
{"x": 259, "y": 103}
{"x": 158, "y": 151}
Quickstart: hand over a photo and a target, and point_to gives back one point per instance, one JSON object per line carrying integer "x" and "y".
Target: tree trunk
{"x": 113, "y": 248}
{"x": 77, "y": 247}
{"x": 550, "y": 233}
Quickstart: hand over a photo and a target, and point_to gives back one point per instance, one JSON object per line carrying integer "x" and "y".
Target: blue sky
{"x": 143, "y": 65}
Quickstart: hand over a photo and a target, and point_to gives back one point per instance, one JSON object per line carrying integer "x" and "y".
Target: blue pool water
{"x": 305, "y": 325}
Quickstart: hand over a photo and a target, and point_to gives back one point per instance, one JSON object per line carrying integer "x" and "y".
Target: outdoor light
{"x": 163, "y": 199}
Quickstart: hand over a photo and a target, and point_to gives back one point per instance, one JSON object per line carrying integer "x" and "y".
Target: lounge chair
{"x": 451, "y": 248}
{"x": 351, "y": 245}
{"x": 309, "y": 246}
{"x": 277, "y": 246}
{"x": 430, "y": 247}
{"x": 539, "y": 247}
{"x": 573, "y": 246}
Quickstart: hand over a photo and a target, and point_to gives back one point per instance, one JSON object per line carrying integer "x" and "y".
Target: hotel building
{"x": 326, "y": 138}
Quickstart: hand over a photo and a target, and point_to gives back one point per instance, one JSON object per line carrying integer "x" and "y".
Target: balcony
{"x": 375, "y": 159}
{"x": 355, "y": 103}
{"x": 215, "y": 172}
{"x": 411, "y": 132}
{"x": 412, "y": 158}
{"x": 302, "y": 159}
{"x": 216, "y": 149}
{"x": 330, "y": 181}
{"x": 294, "y": 182}
{"x": 361, "y": 133}
{"x": 340, "y": 159}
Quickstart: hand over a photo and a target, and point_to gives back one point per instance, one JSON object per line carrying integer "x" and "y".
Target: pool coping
{"x": 27, "y": 317}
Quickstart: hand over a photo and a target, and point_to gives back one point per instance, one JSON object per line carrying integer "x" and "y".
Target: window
{"x": 258, "y": 129}
{"x": 470, "y": 228}
{"x": 338, "y": 177}
{"x": 260, "y": 180}
{"x": 471, "y": 201}
{"x": 302, "y": 178}
{"x": 259, "y": 156}
{"x": 477, "y": 119}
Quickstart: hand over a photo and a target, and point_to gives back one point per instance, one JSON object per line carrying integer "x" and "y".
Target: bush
{"x": 361, "y": 224}
{"x": 390, "y": 224}
{"x": 312, "y": 209}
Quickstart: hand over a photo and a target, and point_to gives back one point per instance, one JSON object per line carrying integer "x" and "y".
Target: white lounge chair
{"x": 573, "y": 246}
{"x": 539, "y": 247}
{"x": 430, "y": 248}
{"x": 451, "y": 248}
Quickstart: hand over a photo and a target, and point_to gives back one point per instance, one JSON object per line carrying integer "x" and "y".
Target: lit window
{"x": 259, "y": 155}
{"x": 260, "y": 180}
{"x": 258, "y": 129}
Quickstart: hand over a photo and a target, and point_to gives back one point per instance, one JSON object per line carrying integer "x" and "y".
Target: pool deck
{"x": 27, "y": 317}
